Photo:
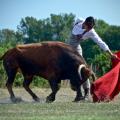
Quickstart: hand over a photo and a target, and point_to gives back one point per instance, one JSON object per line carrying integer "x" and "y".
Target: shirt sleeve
{"x": 95, "y": 37}
{"x": 78, "y": 20}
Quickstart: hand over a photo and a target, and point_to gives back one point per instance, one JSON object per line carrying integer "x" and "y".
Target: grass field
{"x": 62, "y": 109}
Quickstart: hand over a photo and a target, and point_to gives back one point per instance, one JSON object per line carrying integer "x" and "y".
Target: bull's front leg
{"x": 76, "y": 86}
{"x": 55, "y": 85}
{"x": 79, "y": 95}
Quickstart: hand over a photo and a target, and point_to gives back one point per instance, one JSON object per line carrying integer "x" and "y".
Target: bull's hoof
{"x": 86, "y": 98}
{"x": 50, "y": 99}
{"x": 77, "y": 99}
{"x": 36, "y": 99}
{"x": 16, "y": 99}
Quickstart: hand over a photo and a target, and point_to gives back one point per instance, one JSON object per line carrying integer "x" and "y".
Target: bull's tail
{"x": 2, "y": 57}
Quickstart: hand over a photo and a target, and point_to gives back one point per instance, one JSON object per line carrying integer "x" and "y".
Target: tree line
{"x": 58, "y": 28}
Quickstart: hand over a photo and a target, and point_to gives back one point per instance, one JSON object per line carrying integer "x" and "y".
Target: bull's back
{"x": 41, "y": 53}
{"x": 45, "y": 54}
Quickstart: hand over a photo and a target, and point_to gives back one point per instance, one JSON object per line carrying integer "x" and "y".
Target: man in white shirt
{"x": 83, "y": 29}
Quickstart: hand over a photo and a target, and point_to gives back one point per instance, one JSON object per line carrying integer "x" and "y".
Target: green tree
{"x": 112, "y": 37}
{"x": 8, "y": 36}
{"x": 57, "y": 27}
{"x": 61, "y": 25}
{"x": 29, "y": 28}
{"x": 101, "y": 64}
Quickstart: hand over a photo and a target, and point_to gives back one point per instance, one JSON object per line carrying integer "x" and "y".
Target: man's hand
{"x": 115, "y": 57}
{"x": 79, "y": 36}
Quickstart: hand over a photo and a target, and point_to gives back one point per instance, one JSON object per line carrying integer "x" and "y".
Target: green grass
{"x": 61, "y": 109}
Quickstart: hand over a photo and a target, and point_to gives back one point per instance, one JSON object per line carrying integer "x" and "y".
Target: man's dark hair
{"x": 90, "y": 21}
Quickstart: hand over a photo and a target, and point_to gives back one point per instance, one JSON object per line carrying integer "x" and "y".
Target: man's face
{"x": 87, "y": 27}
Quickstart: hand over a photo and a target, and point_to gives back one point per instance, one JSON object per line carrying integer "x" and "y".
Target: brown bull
{"x": 54, "y": 61}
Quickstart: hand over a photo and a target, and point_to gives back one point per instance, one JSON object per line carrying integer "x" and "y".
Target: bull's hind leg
{"x": 11, "y": 76}
{"x": 26, "y": 83}
{"x": 55, "y": 86}
{"x": 11, "y": 70}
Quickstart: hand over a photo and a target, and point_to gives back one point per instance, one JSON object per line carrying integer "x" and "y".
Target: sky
{"x": 11, "y": 11}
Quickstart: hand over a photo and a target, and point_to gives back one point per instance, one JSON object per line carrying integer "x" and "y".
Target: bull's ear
{"x": 93, "y": 76}
{"x": 89, "y": 66}
{"x": 90, "y": 73}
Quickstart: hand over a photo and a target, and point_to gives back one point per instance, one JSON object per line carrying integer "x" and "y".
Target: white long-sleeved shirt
{"x": 77, "y": 29}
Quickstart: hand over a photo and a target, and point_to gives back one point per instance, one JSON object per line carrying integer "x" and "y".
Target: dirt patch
{"x": 64, "y": 94}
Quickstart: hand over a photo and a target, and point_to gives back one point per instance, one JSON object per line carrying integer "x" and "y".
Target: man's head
{"x": 89, "y": 23}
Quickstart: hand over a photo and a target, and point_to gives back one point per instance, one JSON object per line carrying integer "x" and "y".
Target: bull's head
{"x": 84, "y": 73}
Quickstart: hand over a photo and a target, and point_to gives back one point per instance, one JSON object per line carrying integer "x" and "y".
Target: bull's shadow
{"x": 19, "y": 101}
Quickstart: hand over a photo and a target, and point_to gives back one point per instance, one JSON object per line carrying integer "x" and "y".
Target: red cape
{"x": 107, "y": 86}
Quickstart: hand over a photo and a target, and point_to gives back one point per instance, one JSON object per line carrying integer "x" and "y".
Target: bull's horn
{"x": 79, "y": 70}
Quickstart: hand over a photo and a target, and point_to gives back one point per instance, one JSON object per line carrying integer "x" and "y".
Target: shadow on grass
{"x": 8, "y": 101}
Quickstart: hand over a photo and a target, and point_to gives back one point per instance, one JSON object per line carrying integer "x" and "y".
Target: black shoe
{"x": 77, "y": 99}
